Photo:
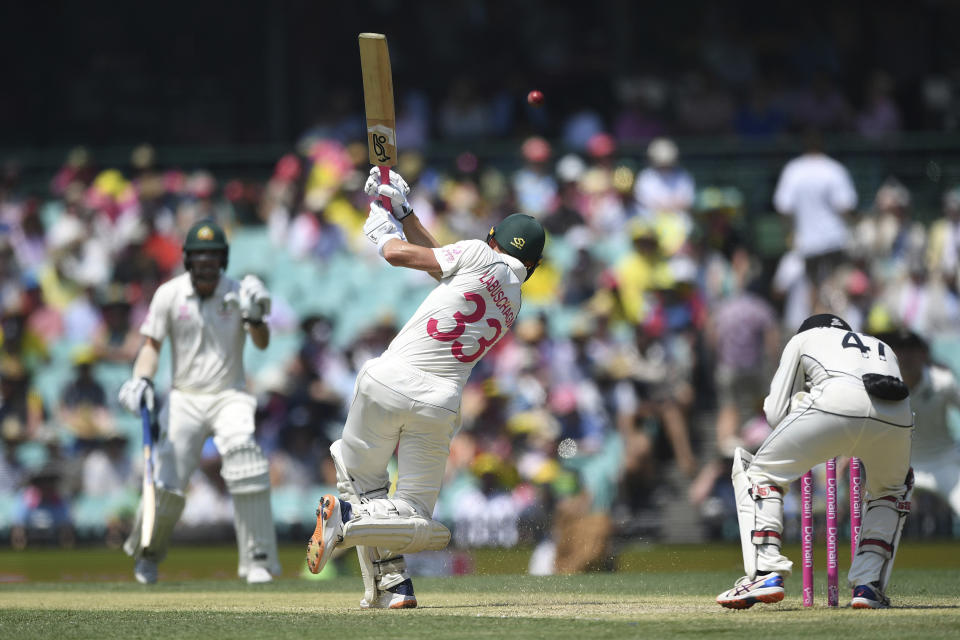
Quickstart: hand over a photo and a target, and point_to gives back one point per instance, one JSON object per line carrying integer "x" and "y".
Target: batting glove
{"x": 135, "y": 393}
{"x": 381, "y": 227}
{"x": 254, "y": 299}
{"x": 397, "y": 191}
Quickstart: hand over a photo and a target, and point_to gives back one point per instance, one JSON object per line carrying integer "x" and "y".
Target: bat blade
{"x": 378, "y": 103}
{"x": 149, "y": 498}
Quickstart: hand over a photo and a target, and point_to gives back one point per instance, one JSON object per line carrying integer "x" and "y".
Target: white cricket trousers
{"x": 188, "y": 419}
{"x": 399, "y": 408}
{"x": 815, "y": 431}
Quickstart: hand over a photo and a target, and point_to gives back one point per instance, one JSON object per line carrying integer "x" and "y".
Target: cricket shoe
{"x": 145, "y": 570}
{"x": 397, "y": 597}
{"x": 327, "y": 535}
{"x": 258, "y": 575}
{"x": 869, "y": 596}
{"x": 746, "y": 592}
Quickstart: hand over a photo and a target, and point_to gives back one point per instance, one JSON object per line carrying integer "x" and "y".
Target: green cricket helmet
{"x": 522, "y": 237}
{"x": 205, "y": 235}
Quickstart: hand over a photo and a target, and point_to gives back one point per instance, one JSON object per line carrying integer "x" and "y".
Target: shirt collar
{"x": 515, "y": 265}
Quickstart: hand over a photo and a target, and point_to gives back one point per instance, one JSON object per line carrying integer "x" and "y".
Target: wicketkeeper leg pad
{"x": 882, "y": 526}
{"x": 760, "y": 515}
{"x": 168, "y": 510}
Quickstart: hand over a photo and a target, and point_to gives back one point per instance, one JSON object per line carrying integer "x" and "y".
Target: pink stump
{"x": 833, "y": 590}
{"x": 806, "y": 536}
{"x": 856, "y": 486}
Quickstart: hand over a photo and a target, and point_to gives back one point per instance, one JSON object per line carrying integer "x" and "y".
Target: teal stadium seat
{"x": 251, "y": 252}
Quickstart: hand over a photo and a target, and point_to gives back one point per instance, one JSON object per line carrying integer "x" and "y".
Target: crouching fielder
{"x": 206, "y": 316}
{"x": 408, "y": 399}
{"x": 835, "y": 393}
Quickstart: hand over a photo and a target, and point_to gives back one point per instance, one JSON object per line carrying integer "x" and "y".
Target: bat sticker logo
{"x": 380, "y": 137}
{"x": 378, "y": 142}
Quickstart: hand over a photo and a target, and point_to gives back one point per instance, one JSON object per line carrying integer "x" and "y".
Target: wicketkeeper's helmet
{"x": 522, "y": 237}
{"x": 205, "y": 235}
{"x": 824, "y": 320}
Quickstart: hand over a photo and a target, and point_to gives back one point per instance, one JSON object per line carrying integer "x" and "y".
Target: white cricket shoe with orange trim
{"x": 746, "y": 592}
{"x": 327, "y": 535}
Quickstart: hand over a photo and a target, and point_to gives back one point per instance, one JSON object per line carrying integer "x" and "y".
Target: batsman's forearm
{"x": 417, "y": 234}
{"x": 145, "y": 366}
{"x": 259, "y": 334}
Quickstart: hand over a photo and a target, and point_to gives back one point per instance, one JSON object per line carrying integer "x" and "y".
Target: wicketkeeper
{"x": 207, "y": 316}
{"x": 835, "y": 393}
{"x": 408, "y": 399}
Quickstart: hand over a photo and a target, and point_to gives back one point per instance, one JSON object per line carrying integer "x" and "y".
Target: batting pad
{"x": 394, "y": 527}
{"x": 256, "y": 535}
{"x": 169, "y": 508}
{"x": 371, "y": 561}
{"x": 245, "y": 469}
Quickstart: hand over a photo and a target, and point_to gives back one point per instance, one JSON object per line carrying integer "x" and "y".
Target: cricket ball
{"x": 535, "y": 98}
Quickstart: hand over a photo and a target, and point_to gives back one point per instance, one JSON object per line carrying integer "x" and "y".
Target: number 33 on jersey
{"x": 475, "y": 304}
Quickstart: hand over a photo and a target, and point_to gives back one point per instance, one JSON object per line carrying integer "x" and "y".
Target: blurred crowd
{"x": 694, "y": 69}
{"x": 639, "y": 361}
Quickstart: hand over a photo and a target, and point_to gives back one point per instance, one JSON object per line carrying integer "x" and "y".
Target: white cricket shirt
{"x": 206, "y": 336}
{"x": 475, "y": 304}
{"x": 829, "y": 362}
{"x": 816, "y": 190}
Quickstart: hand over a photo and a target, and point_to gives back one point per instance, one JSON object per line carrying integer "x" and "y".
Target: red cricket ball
{"x": 535, "y": 98}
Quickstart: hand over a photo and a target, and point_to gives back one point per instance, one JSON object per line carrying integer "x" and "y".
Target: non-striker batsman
{"x": 207, "y": 317}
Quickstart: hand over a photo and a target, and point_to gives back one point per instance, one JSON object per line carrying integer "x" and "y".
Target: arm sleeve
{"x": 783, "y": 195}
{"x": 843, "y": 195}
{"x": 786, "y": 381}
{"x": 456, "y": 256}
{"x": 157, "y": 323}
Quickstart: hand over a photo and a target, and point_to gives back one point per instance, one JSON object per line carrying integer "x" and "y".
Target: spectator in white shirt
{"x": 817, "y": 191}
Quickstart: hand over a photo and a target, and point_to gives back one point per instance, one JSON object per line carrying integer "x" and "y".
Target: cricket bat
{"x": 149, "y": 499}
{"x": 378, "y": 102}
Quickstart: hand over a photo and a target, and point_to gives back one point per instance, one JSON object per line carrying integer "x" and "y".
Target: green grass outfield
{"x": 660, "y": 592}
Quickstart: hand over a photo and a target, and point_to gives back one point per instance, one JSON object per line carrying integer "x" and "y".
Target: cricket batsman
{"x": 835, "y": 393}
{"x": 408, "y": 399}
{"x": 207, "y": 317}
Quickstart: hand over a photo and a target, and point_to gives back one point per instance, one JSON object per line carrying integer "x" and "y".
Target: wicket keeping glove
{"x": 136, "y": 392}
{"x": 381, "y": 227}
{"x": 397, "y": 191}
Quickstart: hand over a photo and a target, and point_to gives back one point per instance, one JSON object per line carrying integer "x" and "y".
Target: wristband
{"x": 385, "y": 238}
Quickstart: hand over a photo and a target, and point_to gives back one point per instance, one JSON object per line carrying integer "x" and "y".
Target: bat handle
{"x": 145, "y": 423}
{"x": 385, "y": 179}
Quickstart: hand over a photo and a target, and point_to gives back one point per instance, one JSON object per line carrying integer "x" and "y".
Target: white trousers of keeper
{"x": 814, "y": 431}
